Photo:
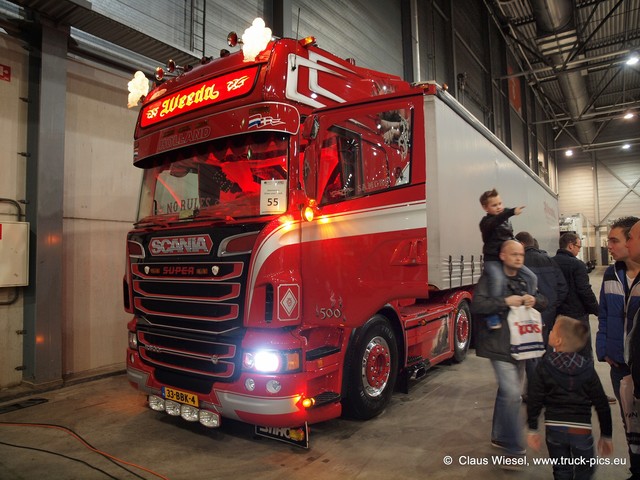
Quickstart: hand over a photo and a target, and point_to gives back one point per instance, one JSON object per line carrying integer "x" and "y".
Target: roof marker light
{"x": 306, "y": 41}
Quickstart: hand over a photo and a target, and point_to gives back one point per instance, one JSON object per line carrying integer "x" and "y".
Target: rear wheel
{"x": 371, "y": 369}
{"x": 462, "y": 329}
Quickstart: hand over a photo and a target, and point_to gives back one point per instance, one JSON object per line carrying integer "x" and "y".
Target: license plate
{"x": 180, "y": 397}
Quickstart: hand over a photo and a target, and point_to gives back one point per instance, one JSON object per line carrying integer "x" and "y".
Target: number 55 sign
{"x": 273, "y": 197}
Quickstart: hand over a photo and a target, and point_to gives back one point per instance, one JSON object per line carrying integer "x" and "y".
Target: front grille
{"x": 190, "y": 308}
{"x": 195, "y": 356}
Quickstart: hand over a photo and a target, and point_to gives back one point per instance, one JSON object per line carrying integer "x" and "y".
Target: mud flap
{"x": 298, "y": 436}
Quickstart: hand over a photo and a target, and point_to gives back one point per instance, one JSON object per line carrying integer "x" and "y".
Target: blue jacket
{"x": 619, "y": 303}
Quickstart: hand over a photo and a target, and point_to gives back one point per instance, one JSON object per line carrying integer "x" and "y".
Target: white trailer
{"x": 464, "y": 159}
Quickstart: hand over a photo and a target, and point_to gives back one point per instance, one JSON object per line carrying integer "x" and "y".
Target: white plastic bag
{"x": 525, "y": 328}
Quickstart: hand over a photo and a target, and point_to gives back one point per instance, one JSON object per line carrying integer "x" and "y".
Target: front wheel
{"x": 462, "y": 329}
{"x": 371, "y": 369}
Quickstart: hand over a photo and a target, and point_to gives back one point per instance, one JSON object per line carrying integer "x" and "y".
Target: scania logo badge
{"x": 146, "y": 270}
{"x": 215, "y": 269}
{"x": 215, "y": 359}
{"x": 184, "y": 245}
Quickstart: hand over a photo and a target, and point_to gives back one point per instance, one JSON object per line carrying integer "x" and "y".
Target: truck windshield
{"x": 218, "y": 179}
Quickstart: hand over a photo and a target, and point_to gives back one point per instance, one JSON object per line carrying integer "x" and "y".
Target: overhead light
{"x": 628, "y": 115}
{"x": 633, "y": 59}
{"x": 626, "y": 146}
{"x": 569, "y": 153}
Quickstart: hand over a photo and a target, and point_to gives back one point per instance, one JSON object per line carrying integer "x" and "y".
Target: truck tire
{"x": 371, "y": 369}
{"x": 462, "y": 331}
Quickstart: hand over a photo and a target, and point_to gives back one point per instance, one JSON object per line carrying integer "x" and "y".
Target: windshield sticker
{"x": 188, "y": 204}
{"x": 273, "y": 197}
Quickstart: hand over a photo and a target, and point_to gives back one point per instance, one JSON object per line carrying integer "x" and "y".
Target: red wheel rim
{"x": 376, "y": 366}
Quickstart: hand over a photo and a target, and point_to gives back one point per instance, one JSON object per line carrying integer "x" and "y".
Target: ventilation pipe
{"x": 556, "y": 38}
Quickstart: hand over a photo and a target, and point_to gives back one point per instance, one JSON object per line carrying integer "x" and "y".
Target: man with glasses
{"x": 580, "y": 300}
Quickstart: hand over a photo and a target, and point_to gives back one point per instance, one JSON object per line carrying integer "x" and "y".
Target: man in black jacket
{"x": 495, "y": 344}
{"x": 551, "y": 282}
{"x": 580, "y": 301}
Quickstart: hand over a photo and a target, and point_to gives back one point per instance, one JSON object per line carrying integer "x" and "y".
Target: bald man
{"x": 508, "y": 426}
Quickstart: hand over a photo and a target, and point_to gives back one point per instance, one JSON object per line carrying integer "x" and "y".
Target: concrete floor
{"x": 448, "y": 413}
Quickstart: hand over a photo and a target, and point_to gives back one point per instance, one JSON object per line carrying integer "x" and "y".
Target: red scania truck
{"x": 307, "y": 236}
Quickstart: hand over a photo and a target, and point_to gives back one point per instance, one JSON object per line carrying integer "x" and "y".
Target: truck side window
{"x": 364, "y": 154}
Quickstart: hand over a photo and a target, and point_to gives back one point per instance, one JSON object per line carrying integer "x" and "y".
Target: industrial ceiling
{"x": 573, "y": 53}
{"x": 577, "y": 55}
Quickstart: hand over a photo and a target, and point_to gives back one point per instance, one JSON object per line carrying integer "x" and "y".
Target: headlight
{"x": 271, "y": 361}
{"x": 133, "y": 340}
{"x": 267, "y": 361}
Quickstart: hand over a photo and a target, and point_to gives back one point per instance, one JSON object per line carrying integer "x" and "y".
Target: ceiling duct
{"x": 556, "y": 39}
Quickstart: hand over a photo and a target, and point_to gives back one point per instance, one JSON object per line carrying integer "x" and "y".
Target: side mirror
{"x": 310, "y": 127}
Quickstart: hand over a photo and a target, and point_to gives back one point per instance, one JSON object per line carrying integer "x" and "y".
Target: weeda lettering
{"x": 201, "y": 95}
{"x": 205, "y": 93}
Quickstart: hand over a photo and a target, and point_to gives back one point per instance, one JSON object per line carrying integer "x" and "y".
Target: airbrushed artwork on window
{"x": 364, "y": 154}
{"x": 235, "y": 177}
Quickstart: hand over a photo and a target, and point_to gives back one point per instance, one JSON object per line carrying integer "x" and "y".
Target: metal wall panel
{"x": 100, "y": 196}
{"x": 576, "y": 189}
{"x": 166, "y": 19}
{"x": 368, "y": 31}
{"x": 602, "y": 185}
{"x": 223, "y": 17}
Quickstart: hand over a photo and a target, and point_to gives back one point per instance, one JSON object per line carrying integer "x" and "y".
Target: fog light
{"x": 189, "y": 413}
{"x": 156, "y": 403}
{"x": 273, "y": 386}
{"x": 250, "y": 384}
{"x": 209, "y": 419}
{"x": 172, "y": 408}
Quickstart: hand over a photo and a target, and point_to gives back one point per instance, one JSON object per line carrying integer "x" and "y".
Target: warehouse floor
{"x": 448, "y": 413}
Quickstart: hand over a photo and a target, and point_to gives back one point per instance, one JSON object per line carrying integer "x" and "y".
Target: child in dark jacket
{"x": 496, "y": 229}
{"x": 566, "y": 384}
